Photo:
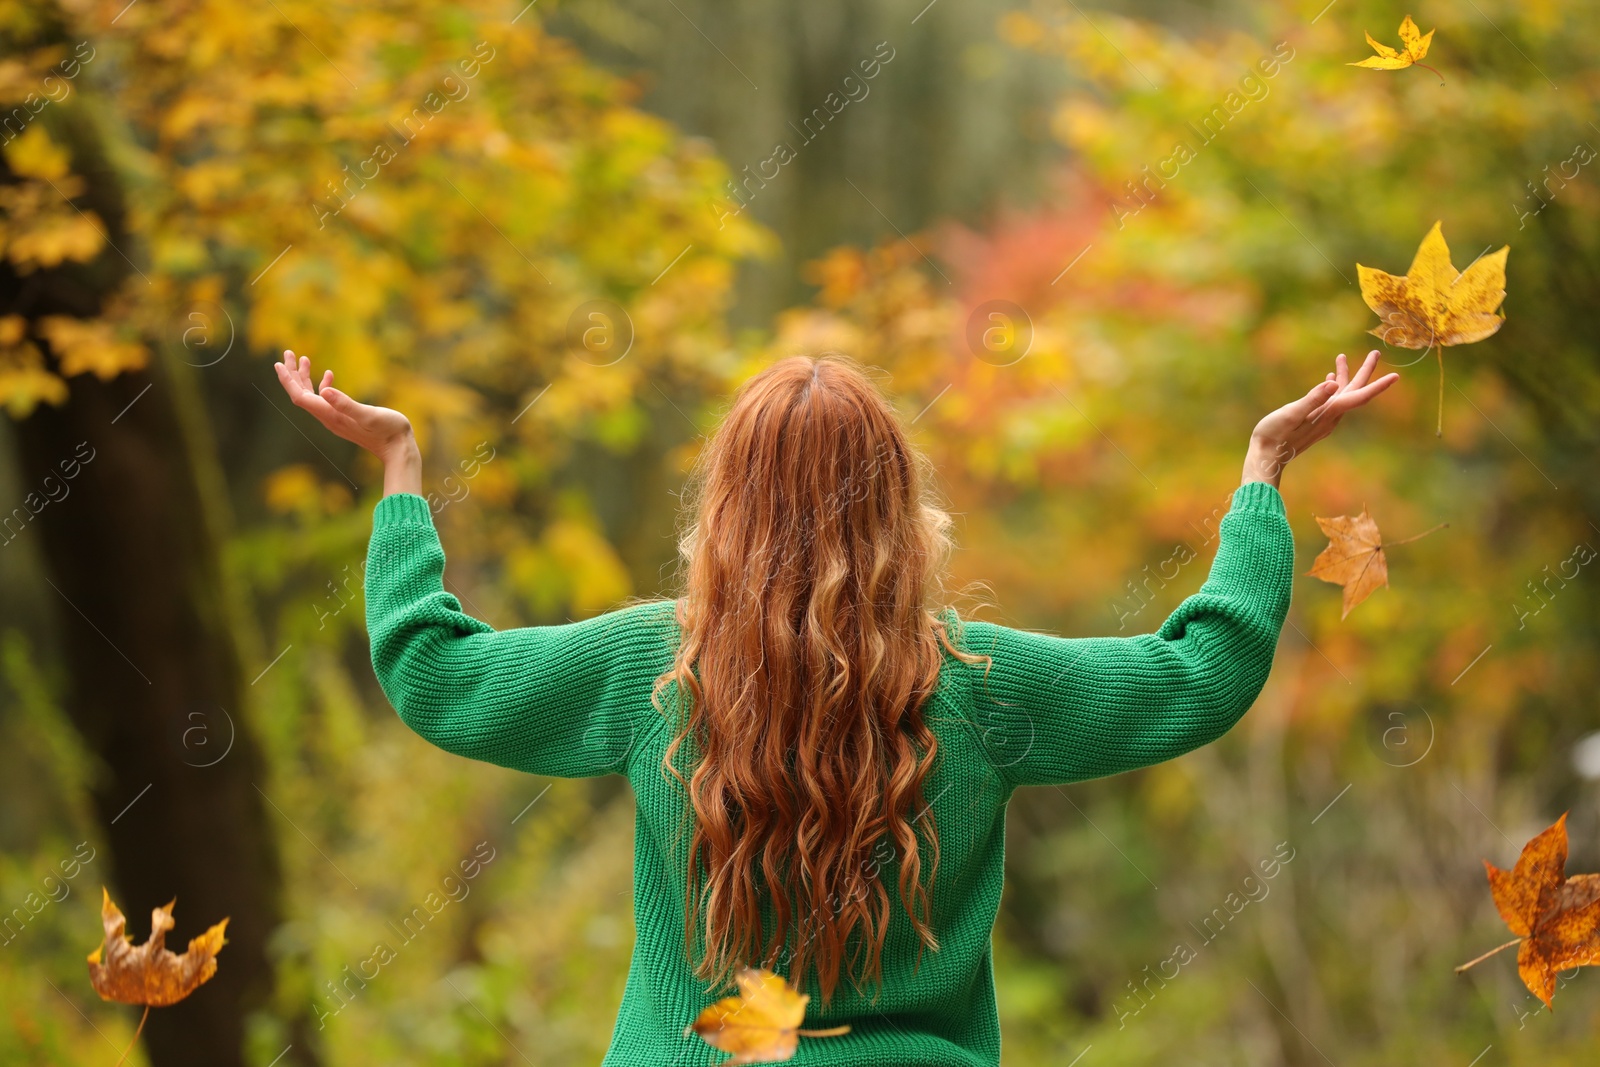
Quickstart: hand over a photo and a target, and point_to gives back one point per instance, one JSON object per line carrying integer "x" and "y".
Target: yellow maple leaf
{"x": 1434, "y": 304}
{"x": 1415, "y": 45}
{"x": 761, "y": 1024}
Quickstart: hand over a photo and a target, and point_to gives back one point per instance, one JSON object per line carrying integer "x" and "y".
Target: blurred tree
{"x": 147, "y": 628}
{"x": 447, "y": 206}
{"x": 950, "y": 124}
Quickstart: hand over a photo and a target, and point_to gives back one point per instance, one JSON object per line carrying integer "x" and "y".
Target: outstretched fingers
{"x": 1367, "y": 367}
{"x": 1356, "y": 397}
{"x": 1316, "y": 398}
{"x": 1353, "y": 398}
{"x": 1347, "y": 385}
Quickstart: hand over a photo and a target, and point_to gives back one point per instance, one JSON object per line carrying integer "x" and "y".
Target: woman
{"x": 821, "y": 762}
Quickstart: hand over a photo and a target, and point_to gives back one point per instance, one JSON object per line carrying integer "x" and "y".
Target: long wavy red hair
{"x": 808, "y": 648}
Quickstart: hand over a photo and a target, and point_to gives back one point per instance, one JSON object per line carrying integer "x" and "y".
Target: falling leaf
{"x": 761, "y": 1024}
{"x": 1556, "y": 918}
{"x": 150, "y": 974}
{"x": 1355, "y": 557}
{"x": 1415, "y": 45}
{"x": 1433, "y": 304}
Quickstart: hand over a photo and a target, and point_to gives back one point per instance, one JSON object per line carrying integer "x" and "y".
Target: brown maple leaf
{"x": 150, "y": 974}
{"x": 761, "y": 1024}
{"x": 1354, "y": 557}
{"x": 1556, "y": 918}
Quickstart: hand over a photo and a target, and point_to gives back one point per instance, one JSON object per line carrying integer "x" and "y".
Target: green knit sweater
{"x": 573, "y": 701}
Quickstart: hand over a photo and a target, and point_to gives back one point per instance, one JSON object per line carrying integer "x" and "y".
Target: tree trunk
{"x": 154, "y": 681}
{"x": 155, "y": 689}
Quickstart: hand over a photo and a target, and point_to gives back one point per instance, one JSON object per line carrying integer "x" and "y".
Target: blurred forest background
{"x": 546, "y": 265}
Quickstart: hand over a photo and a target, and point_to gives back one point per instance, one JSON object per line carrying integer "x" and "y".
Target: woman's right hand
{"x": 384, "y": 432}
{"x": 1295, "y": 427}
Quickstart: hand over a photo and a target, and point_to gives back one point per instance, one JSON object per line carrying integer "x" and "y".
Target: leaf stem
{"x": 1415, "y": 537}
{"x": 1438, "y": 430}
{"x": 136, "y": 1034}
{"x": 836, "y": 1031}
{"x": 1425, "y": 66}
{"x": 1486, "y": 955}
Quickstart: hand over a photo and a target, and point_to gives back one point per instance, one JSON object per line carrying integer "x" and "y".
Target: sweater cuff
{"x": 401, "y": 509}
{"x": 1260, "y": 497}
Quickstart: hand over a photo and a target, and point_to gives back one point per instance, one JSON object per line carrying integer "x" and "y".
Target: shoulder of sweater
{"x": 641, "y": 624}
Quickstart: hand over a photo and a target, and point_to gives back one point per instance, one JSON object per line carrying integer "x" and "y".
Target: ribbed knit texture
{"x": 573, "y": 701}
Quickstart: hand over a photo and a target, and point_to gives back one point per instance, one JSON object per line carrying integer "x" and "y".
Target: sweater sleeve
{"x": 1053, "y": 710}
{"x": 564, "y": 700}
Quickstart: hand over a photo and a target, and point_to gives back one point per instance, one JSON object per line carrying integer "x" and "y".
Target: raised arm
{"x": 565, "y": 700}
{"x": 1053, "y": 710}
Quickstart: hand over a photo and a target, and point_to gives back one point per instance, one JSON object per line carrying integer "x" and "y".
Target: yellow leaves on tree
{"x": 85, "y": 345}
{"x": 1415, "y": 45}
{"x": 1355, "y": 556}
{"x": 39, "y": 226}
{"x": 1556, "y": 918}
{"x": 1433, "y": 304}
{"x": 80, "y": 346}
{"x": 25, "y": 381}
{"x": 761, "y": 1024}
{"x": 150, "y": 974}
{"x": 40, "y": 229}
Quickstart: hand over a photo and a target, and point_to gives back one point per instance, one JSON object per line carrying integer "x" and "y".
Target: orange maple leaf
{"x": 1556, "y": 918}
{"x": 761, "y": 1024}
{"x": 150, "y": 974}
{"x": 1354, "y": 557}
